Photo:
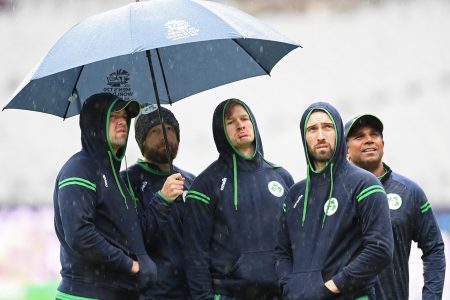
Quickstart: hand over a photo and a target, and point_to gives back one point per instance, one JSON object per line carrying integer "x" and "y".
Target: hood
{"x": 223, "y": 144}
{"x": 337, "y": 160}
{"x": 228, "y": 153}
{"x": 340, "y": 153}
{"x": 94, "y": 125}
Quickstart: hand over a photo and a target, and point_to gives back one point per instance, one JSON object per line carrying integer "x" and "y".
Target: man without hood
{"x": 411, "y": 214}
{"x": 151, "y": 177}
{"x": 231, "y": 212}
{"x": 102, "y": 248}
{"x": 334, "y": 234}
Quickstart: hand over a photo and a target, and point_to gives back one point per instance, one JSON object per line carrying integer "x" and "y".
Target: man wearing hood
{"x": 411, "y": 214}
{"x": 231, "y": 212}
{"x": 334, "y": 233}
{"x": 151, "y": 176}
{"x": 102, "y": 249}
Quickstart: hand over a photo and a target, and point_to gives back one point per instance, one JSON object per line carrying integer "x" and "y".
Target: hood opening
{"x": 335, "y": 158}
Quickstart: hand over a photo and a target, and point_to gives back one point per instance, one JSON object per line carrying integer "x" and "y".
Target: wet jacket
{"x": 230, "y": 222}
{"x": 412, "y": 220}
{"x": 166, "y": 247}
{"x": 335, "y": 225}
{"x": 95, "y": 217}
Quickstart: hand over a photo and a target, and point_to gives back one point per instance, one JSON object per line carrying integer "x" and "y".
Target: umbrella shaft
{"x": 155, "y": 88}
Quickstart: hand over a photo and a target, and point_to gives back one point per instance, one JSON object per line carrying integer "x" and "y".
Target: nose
{"x": 240, "y": 124}
{"x": 368, "y": 139}
{"x": 320, "y": 135}
{"x": 122, "y": 120}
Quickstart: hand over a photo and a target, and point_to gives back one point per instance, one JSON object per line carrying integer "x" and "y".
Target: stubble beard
{"x": 160, "y": 156}
{"x": 118, "y": 142}
{"x": 321, "y": 156}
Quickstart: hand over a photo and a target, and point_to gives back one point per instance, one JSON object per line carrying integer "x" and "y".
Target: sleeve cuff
{"x": 165, "y": 198}
{"x": 341, "y": 281}
{"x": 126, "y": 264}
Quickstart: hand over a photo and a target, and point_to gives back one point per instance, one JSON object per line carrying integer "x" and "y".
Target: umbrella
{"x": 158, "y": 51}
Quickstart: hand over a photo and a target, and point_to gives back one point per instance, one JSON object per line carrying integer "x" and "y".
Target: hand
{"x": 332, "y": 287}
{"x": 173, "y": 187}
{"x": 135, "y": 267}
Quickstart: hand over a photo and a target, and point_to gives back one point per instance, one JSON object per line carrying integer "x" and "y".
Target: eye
{"x": 229, "y": 122}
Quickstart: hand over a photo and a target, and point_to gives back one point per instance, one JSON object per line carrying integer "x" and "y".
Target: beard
{"x": 159, "y": 154}
{"x": 321, "y": 156}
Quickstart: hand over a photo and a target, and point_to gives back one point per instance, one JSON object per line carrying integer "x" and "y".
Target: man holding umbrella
{"x": 153, "y": 176}
{"x": 102, "y": 249}
{"x": 411, "y": 214}
{"x": 231, "y": 212}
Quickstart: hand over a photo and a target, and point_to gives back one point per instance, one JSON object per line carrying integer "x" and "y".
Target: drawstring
{"x": 305, "y": 202}
{"x": 117, "y": 180}
{"x": 130, "y": 189}
{"x": 329, "y": 195}
{"x": 235, "y": 182}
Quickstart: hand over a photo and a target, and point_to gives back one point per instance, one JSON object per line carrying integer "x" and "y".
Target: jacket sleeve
{"x": 429, "y": 239}
{"x": 155, "y": 215}
{"x": 76, "y": 199}
{"x": 283, "y": 250}
{"x": 377, "y": 245}
{"x": 197, "y": 233}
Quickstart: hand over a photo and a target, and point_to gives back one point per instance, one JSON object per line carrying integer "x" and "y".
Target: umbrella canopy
{"x": 158, "y": 51}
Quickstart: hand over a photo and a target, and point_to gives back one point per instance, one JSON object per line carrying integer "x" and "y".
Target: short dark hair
{"x": 230, "y": 104}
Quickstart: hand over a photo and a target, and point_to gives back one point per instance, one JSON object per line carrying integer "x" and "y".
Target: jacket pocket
{"x": 147, "y": 274}
{"x": 307, "y": 286}
{"x": 251, "y": 277}
{"x": 254, "y": 267}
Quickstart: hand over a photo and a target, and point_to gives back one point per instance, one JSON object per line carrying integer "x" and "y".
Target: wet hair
{"x": 231, "y": 103}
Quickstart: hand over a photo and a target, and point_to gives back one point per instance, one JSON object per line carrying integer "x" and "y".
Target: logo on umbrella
{"x": 119, "y": 86}
{"x": 118, "y": 78}
{"x": 180, "y": 29}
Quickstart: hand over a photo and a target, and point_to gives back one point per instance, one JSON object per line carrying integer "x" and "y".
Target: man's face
{"x": 154, "y": 146}
{"x": 320, "y": 137}
{"x": 239, "y": 128}
{"x": 118, "y": 129}
{"x": 365, "y": 147}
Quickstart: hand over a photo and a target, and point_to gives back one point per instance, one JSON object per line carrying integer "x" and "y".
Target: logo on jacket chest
{"x": 394, "y": 200}
{"x": 276, "y": 188}
{"x": 331, "y": 206}
{"x": 104, "y": 179}
{"x": 144, "y": 184}
{"x": 224, "y": 181}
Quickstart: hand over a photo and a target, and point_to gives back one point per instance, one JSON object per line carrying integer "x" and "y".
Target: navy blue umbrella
{"x": 158, "y": 51}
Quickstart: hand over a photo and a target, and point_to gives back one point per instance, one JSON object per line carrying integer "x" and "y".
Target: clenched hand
{"x": 173, "y": 187}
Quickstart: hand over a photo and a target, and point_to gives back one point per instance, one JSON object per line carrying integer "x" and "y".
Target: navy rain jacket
{"x": 335, "y": 225}
{"x": 412, "y": 220}
{"x": 230, "y": 222}
{"x": 165, "y": 247}
{"x": 95, "y": 217}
